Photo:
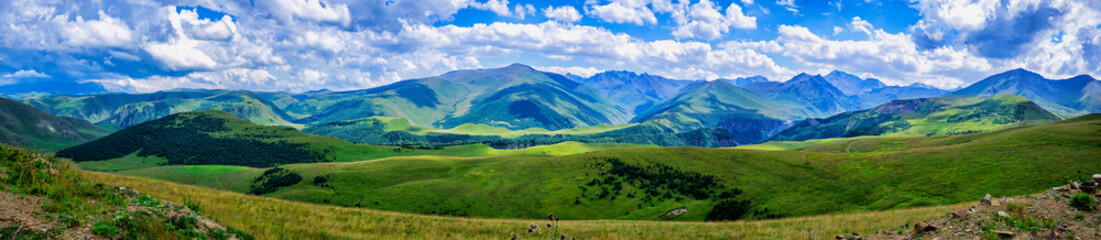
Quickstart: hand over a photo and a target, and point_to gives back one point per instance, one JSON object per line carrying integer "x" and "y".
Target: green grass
{"x": 269, "y": 218}
{"x": 878, "y": 174}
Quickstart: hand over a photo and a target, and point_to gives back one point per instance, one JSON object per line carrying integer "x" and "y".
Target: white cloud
{"x": 223, "y": 29}
{"x": 313, "y": 10}
{"x": 103, "y": 32}
{"x": 704, "y": 21}
{"x": 837, "y": 30}
{"x": 860, "y": 25}
{"x": 629, "y": 11}
{"x": 747, "y": 2}
{"x": 563, "y": 13}
{"x": 26, "y": 73}
{"x": 575, "y": 70}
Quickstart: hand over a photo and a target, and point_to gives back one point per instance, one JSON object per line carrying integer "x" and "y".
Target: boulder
{"x": 1088, "y": 187}
{"x": 1097, "y": 177}
{"x": 959, "y": 213}
{"x": 1003, "y": 214}
{"x": 987, "y": 199}
{"x": 1074, "y": 185}
{"x": 921, "y": 227}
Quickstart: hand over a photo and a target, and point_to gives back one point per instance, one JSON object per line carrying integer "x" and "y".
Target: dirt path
{"x": 850, "y": 145}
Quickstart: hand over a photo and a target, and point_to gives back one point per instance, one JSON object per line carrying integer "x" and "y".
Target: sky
{"x": 301, "y": 45}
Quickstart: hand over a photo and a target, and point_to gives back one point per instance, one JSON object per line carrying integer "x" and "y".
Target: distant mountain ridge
{"x": 1067, "y": 98}
{"x": 514, "y": 97}
{"x": 25, "y": 125}
{"x": 634, "y": 92}
{"x": 124, "y": 110}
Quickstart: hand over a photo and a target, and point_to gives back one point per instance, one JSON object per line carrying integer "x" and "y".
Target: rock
{"x": 1097, "y": 177}
{"x": 995, "y": 203}
{"x": 921, "y": 227}
{"x": 986, "y": 200}
{"x": 1088, "y": 187}
{"x": 840, "y": 237}
{"x": 959, "y": 213}
{"x": 1004, "y": 234}
{"x": 1060, "y": 189}
{"x": 1003, "y": 214}
{"x": 1074, "y": 185}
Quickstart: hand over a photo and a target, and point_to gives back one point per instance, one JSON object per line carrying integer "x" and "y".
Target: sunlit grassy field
{"x": 269, "y": 218}
{"x": 875, "y": 174}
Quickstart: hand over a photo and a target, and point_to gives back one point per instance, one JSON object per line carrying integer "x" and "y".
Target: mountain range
{"x": 519, "y": 98}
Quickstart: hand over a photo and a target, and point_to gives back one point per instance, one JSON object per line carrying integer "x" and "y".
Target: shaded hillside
{"x": 513, "y": 97}
{"x": 632, "y": 92}
{"x": 217, "y": 137}
{"x": 750, "y": 117}
{"x": 922, "y": 117}
{"x": 124, "y": 110}
{"x": 27, "y": 126}
{"x": 1066, "y": 98}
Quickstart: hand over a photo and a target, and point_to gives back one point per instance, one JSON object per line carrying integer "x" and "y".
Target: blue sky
{"x": 300, "y": 45}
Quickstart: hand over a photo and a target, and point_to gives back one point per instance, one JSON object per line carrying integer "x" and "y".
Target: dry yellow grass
{"x": 268, "y": 218}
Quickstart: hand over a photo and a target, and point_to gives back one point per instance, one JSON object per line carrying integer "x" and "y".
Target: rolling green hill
{"x": 27, "y": 126}
{"x": 923, "y": 117}
{"x": 514, "y": 97}
{"x": 1067, "y": 98}
{"x": 646, "y": 183}
{"x": 124, "y": 110}
{"x": 217, "y": 137}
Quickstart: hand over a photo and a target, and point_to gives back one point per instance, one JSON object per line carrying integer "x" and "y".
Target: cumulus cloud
{"x": 288, "y": 11}
{"x": 704, "y": 21}
{"x": 106, "y": 31}
{"x": 629, "y": 11}
{"x": 563, "y": 13}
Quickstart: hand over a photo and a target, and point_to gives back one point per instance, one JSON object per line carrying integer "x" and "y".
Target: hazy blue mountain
{"x": 888, "y": 93}
{"x": 749, "y": 116}
{"x": 817, "y": 96}
{"x": 633, "y": 92}
{"x": 744, "y": 80}
{"x": 850, "y": 84}
{"x": 27, "y": 126}
{"x": 124, "y": 110}
{"x": 514, "y": 97}
{"x": 923, "y": 117}
{"x": 1067, "y": 98}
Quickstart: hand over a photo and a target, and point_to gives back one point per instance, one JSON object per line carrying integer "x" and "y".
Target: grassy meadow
{"x": 270, "y": 218}
{"x": 875, "y": 174}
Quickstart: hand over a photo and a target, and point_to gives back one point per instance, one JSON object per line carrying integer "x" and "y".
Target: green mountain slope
{"x": 750, "y": 117}
{"x": 513, "y": 97}
{"x": 27, "y": 126}
{"x": 647, "y": 183}
{"x": 124, "y": 110}
{"x": 633, "y": 92}
{"x": 923, "y": 117}
{"x": 1066, "y": 98}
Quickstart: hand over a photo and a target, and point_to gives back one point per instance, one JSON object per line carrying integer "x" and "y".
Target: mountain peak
{"x": 520, "y": 66}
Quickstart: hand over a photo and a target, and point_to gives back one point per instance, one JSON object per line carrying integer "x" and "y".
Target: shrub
{"x": 1083, "y": 201}
{"x": 728, "y": 209}
{"x": 273, "y": 179}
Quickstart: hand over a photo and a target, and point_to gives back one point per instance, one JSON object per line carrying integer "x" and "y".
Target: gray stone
{"x": 1004, "y": 234}
{"x": 1097, "y": 177}
{"x": 986, "y": 200}
{"x": 1003, "y": 214}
